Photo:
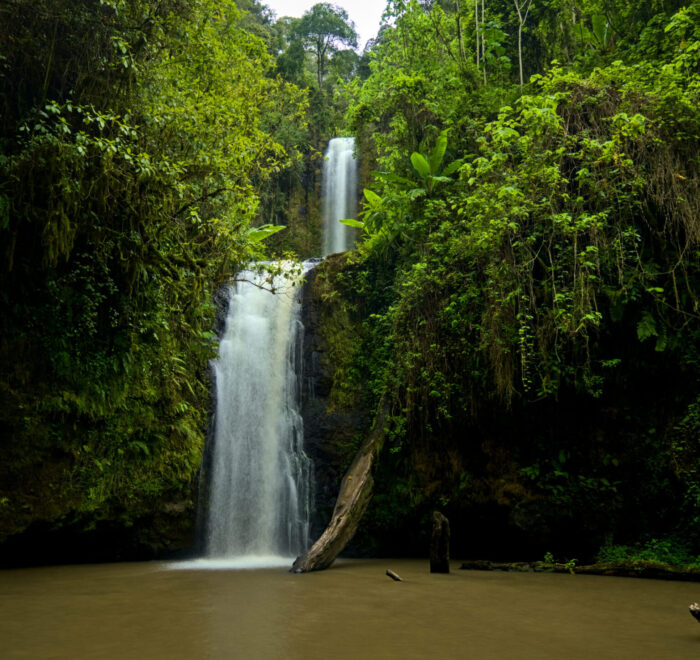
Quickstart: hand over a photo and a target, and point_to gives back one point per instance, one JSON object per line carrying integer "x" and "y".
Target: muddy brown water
{"x": 149, "y": 610}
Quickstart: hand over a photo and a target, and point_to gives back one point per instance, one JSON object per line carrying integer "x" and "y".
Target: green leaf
{"x": 350, "y": 222}
{"x": 421, "y": 164}
{"x": 452, "y": 167}
{"x": 372, "y": 197}
{"x": 139, "y": 445}
{"x": 661, "y": 342}
{"x": 600, "y": 29}
{"x": 257, "y": 234}
{"x": 646, "y": 328}
{"x": 438, "y": 153}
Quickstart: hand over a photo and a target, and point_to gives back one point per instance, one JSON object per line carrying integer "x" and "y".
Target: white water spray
{"x": 259, "y": 484}
{"x": 259, "y": 477}
{"x": 339, "y": 195}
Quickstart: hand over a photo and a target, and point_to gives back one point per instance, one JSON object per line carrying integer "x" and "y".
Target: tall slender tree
{"x": 483, "y": 36}
{"x": 523, "y": 9}
{"x": 476, "y": 30}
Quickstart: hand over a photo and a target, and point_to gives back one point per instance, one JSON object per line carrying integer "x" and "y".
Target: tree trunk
{"x": 630, "y": 568}
{"x": 483, "y": 36}
{"x": 520, "y": 53}
{"x": 519, "y": 4}
{"x": 460, "y": 38}
{"x": 321, "y": 48}
{"x": 476, "y": 22}
{"x": 440, "y": 544}
{"x": 353, "y": 498}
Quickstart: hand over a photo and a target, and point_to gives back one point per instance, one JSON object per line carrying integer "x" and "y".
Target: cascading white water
{"x": 259, "y": 488}
{"x": 339, "y": 195}
{"x": 259, "y": 478}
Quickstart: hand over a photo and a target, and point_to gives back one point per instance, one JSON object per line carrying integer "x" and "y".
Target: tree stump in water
{"x": 353, "y": 498}
{"x": 695, "y": 611}
{"x": 440, "y": 544}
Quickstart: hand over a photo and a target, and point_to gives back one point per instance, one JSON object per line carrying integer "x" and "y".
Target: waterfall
{"x": 259, "y": 488}
{"x": 256, "y": 504}
{"x": 339, "y": 195}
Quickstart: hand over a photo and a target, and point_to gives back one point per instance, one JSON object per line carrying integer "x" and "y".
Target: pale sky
{"x": 366, "y": 14}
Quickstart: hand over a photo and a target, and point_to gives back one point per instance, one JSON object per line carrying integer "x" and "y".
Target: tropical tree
{"x": 323, "y": 29}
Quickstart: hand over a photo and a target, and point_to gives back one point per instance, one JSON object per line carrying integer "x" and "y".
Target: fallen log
{"x": 353, "y": 498}
{"x": 644, "y": 569}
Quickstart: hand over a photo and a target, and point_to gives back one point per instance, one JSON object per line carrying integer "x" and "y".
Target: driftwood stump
{"x": 353, "y": 498}
{"x": 695, "y": 611}
{"x": 440, "y": 544}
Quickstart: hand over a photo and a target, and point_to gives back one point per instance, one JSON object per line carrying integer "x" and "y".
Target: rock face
{"x": 353, "y": 498}
{"x": 328, "y": 430}
{"x": 165, "y": 532}
{"x": 440, "y": 544}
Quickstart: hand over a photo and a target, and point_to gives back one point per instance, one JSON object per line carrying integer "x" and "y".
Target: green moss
{"x": 342, "y": 332}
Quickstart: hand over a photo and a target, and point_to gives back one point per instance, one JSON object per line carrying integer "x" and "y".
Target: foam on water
{"x": 246, "y": 562}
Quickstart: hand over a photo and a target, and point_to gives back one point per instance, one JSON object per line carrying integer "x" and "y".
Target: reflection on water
{"x": 244, "y": 562}
{"x": 350, "y": 611}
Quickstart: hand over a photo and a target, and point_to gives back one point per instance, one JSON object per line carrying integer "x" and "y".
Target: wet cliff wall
{"x": 569, "y": 475}
{"x": 334, "y": 421}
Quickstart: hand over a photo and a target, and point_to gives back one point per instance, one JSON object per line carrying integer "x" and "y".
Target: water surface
{"x": 149, "y": 610}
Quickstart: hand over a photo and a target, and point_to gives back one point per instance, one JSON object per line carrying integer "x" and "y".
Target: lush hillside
{"x": 524, "y": 300}
{"x": 133, "y": 148}
{"x": 526, "y": 296}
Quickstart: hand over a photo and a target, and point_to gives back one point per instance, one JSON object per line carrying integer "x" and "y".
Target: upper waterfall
{"x": 339, "y": 195}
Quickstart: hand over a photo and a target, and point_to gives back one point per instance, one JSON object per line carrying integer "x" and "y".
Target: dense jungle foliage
{"x": 134, "y": 140}
{"x": 524, "y": 298}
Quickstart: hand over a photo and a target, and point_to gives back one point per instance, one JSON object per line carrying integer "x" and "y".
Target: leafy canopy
{"x": 323, "y": 29}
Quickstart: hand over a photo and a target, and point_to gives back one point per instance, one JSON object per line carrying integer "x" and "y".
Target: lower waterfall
{"x": 259, "y": 475}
